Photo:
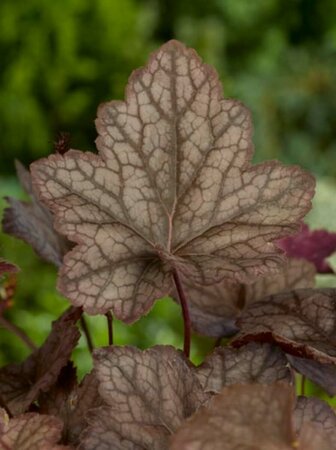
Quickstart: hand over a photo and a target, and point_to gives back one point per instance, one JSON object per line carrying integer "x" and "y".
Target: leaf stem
{"x": 109, "y": 318}
{"x": 18, "y": 332}
{"x": 87, "y": 333}
{"x": 185, "y": 313}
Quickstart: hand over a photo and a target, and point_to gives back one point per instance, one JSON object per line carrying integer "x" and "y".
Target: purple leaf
{"x": 322, "y": 374}
{"x": 33, "y": 223}
{"x": 313, "y": 245}
{"x": 20, "y": 384}
{"x": 301, "y": 322}
{"x": 148, "y": 395}
{"x": 71, "y": 402}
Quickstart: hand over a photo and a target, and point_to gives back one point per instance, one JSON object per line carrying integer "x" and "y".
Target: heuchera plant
{"x": 171, "y": 205}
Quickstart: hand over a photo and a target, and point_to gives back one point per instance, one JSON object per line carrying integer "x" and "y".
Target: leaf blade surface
{"x": 172, "y": 187}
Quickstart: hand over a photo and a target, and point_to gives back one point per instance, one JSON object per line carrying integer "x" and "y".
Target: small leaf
{"x": 215, "y": 308}
{"x": 253, "y": 363}
{"x": 244, "y": 417}
{"x": 33, "y": 223}
{"x": 31, "y": 432}
{"x": 313, "y": 245}
{"x": 301, "y": 322}
{"x": 148, "y": 395}
{"x": 83, "y": 400}
{"x": 172, "y": 187}
{"x": 54, "y": 402}
{"x": 20, "y": 384}
{"x": 322, "y": 374}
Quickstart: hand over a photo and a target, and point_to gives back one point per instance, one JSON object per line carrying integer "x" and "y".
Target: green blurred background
{"x": 60, "y": 59}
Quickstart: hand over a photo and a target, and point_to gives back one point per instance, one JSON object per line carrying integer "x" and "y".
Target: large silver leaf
{"x": 147, "y": 394}
{"x": 172, "y": 187}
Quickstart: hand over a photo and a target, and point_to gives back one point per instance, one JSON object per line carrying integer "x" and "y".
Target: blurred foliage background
{"x": 60, "y": 59}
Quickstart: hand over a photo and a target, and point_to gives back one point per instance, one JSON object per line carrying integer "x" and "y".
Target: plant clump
{"x": 172, "y": 205}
